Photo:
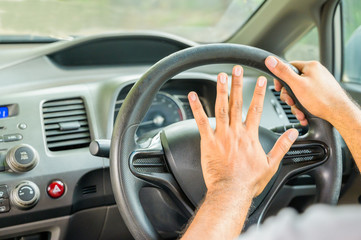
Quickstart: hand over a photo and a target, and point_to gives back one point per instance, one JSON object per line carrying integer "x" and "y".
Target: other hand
{"x": 316, "y": 88}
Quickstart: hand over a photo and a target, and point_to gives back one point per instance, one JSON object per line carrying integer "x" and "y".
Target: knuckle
{"x": 284, "y": 146}
{"x": 315, "y": 63}
{"x": 222, "y": 112}
{"x": 202, "y": 121}
{"x": 197, "y": 107}
{"x": 257, "y": 109}
{"x": 223, "y": 91}
{"x": 237, "y": 83}
{"x": 237, "y": 106}
{"x": 259, "y": 93}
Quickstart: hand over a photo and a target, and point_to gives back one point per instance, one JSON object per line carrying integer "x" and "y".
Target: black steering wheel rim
{"x": 139, "y": 100}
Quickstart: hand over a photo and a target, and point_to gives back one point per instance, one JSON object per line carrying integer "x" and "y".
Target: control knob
{"x": 22, "y": 158}
{"x": 25, "y": 195}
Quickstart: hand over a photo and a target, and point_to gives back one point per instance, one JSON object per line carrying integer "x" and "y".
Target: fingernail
{"x": 237, "y": 71}
{"x": 292, "y": 135}
{"x": 286, "y": 101}
{"x": 193, "y": 96}
{"x": 222, "y": 78}
{"x": 271, "y": 62}
{"x": 261, "y": 81}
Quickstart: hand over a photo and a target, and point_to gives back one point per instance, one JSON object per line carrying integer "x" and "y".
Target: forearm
{"x": 348, "y": 122}
{"x": 221, "y": 216}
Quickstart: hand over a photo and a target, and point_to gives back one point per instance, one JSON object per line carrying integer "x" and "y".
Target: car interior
{"x": 98, "y": 139}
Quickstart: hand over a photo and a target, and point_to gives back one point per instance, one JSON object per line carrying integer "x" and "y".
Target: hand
{"x": 316, "y": 88}
{"x": 232, "y": 157}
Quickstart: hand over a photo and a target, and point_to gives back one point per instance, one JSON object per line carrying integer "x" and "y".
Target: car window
{"x": 307, "y": 48}
{"x": 351, "y": 19}
{"x": 198, "y": 20}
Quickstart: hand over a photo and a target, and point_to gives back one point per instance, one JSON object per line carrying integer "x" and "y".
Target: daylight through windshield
{"x": 198, "y": 20}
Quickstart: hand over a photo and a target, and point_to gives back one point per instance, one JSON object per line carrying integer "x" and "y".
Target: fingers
{"x": 277, "y": 85}
{"x": 199, "y": 115}
{"x": 222, "y": 119}
{"x": 281, "y": 147}
{"x": 256, "y": 107}
{"x": 299, "y": 115}
{"x": 281, "y": 70}
{"x": 235, "y": 101}
{"x": 285, "y": 97}
{"x": 295, "y": 111}
{"x": 300, "y": 65}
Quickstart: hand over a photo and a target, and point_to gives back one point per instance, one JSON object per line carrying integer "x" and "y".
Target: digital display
{"x": 4, "y": 112}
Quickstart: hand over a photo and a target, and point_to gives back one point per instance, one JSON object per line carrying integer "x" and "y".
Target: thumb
{"x": 281, "y": 70}
{"x": 281, "y": 147}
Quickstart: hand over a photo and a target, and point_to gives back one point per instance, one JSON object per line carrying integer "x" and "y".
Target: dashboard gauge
{"x": 164, "y": 111}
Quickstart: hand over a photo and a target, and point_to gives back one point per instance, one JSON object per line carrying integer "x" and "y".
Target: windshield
{"x": 197, "y": 20}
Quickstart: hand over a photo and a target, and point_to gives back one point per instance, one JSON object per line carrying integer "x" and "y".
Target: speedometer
{"x": 165, "y": 110}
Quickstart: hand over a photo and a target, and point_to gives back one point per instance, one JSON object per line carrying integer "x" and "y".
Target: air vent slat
{"x": 50, "y": 115}
{"x": 62, "y": 108}
{"x": 65, "y": 102}
{"x": 60, "y": 138}
{"x": 66, "y": 124}
{"x": 285, "y": 107}
{"x": 61, "y": 133}
{"x": 72, "y": 144}
{"x": 57, "y": 126}
{"x": 65, "y": 119}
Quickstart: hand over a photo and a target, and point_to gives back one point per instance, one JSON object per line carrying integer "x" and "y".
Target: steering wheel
{"x": 170, "y": 161}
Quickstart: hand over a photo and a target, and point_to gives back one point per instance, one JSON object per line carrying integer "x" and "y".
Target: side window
{"x": 306, "y": 48}
{"x": 351, "y": 20}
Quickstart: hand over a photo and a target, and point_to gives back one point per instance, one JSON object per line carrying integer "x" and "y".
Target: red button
{"x": 56, "y": 189}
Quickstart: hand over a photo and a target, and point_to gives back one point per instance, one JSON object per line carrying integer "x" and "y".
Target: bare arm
{"x": 235, "y": 167}
{"x": 319, "y": 92}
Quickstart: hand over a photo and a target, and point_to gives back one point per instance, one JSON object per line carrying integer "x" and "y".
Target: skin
{"x": 317, "y": 85}
{"x": 235, "y": 167}
{"x": 232, "y": 180}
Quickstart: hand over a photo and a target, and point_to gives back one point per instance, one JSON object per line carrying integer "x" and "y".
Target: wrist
{"x": 227, "y": 193}
{"x": 345, "y": 112}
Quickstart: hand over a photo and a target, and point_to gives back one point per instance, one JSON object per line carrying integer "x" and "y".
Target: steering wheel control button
{"x": 56, "y": 189}
{"x": 22, "y": 158}
{"x": 4, "y": 205}
{"x": 4, "y": 191}
{"x": 13, "y": 137}
{"x": 25, "y": 195}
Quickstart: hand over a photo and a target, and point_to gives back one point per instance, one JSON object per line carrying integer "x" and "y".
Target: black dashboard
{"x": 61, "y": 96}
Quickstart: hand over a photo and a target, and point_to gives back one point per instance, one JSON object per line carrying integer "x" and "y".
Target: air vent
{"x": 287, "y": 109}
{"x": 89, "y": 190}
{"x": 66, "y": 124}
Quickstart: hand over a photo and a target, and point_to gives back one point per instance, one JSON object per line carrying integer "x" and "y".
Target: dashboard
{"x": 58, "y": 97}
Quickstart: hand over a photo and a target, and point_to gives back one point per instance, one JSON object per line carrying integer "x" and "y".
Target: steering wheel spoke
{"x": 149, "y": 164}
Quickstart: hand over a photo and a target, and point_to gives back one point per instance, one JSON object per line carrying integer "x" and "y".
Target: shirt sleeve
{"x": 318, "y": 222}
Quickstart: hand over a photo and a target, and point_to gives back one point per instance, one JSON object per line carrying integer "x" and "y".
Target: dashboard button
{"x": 56, "y": 189}
{"x": 4, "y": 205}
{"x": 12, "y": 137}
{"x": 4, "y": 191}
{"x": 22, "y": 126}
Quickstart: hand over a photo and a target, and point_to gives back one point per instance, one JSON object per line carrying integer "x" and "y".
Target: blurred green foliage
{"x": 202, "y": 20}
{"x": 351, "y": 11}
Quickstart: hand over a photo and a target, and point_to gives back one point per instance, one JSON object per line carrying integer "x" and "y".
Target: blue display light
{"x": 4, "y": 112}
